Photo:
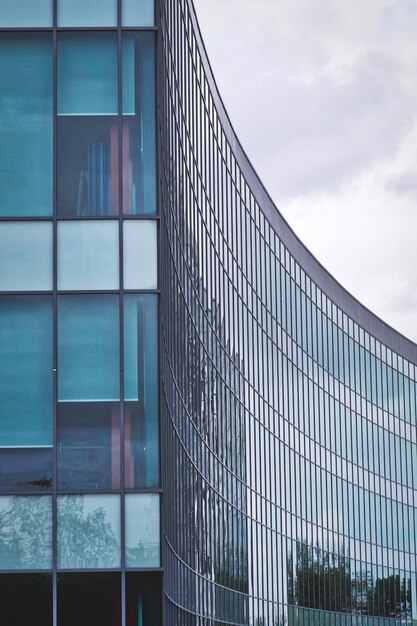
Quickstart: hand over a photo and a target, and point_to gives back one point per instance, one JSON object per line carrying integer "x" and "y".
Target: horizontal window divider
{"x": 27, "y": 218}
{"x": 26, "y": 571}
{"x": 26, "y": 293}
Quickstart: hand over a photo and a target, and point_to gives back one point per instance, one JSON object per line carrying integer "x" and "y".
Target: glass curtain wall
{"x": 79, "y": 392}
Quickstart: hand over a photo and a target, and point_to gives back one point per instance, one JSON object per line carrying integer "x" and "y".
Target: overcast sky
{"x": 323, "y": 96}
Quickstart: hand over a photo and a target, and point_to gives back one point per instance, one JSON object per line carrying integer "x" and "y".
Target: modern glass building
{"x": 198, "y": 425}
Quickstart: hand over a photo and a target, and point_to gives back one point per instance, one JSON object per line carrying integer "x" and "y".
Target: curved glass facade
{"x": 288, "y": 409}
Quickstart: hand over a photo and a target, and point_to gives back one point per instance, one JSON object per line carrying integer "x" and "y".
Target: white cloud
{"x": 323, "y": 96}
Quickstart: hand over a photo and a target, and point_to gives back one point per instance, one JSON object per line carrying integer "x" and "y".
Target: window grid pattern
{"x": 61, "y": 513}
{"x": 289, "y": 419}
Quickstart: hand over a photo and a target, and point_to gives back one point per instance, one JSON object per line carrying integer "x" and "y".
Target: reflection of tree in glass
{"x": 85, "y": 540}
{"x": 318, "y": 579}
{"x": 25, "y": 532}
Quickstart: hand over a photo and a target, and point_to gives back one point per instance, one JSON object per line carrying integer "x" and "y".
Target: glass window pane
{"x": 88, "y": 255}
{"x": 26, "y": 256}
{"x": 88, "y": 348}
{"x": 88, "y": 162}
{"x": 88, "y": 531}
{"x": 87, "y": 13}
{"x": 26, "y": 599}
{"x": 85, "y": 599}
{"x": 142, "y": 530}
{"x": 143, "y": 599}
{"x": 138, "y": 13}
{"x": 25, "y": 532}
{"x": 141, "y": 391}
{"x": 87, "y": 74}
{"x": 25, "y": 13}
{"x": 26, "y": 146}
{"x": 87, "y": 127}
{"x": 25, "y": 469}
{"x": 138, "y": 97}
{"x": 25, "y": 371}
{"x": 140, "y": 252}
{"x": 88, "y": 445}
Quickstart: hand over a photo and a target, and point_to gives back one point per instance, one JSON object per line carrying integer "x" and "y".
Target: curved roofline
{"x": 363, "y": 316}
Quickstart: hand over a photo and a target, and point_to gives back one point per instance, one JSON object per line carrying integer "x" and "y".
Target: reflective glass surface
{"x": 25, "y": 371}
{"x": 141, "y": 391}
{"x": 142, "y": 530}
{"x": 26, "y": 256}
{"x": 140, "y": 254}
{"x": 25, "y": 532}
{"x": 26, "y": 599}
{"x": 138, "y": 13}
{"x": 143, "y": 599}
{"x": 88, "y": 446}
{"x": 88, "y": 255}
{"x": 87, "y": 12}
{"x": 88, "y": 348}
{"x": 26, "y": 145}
{"x": 25, "y": 469}
{"x": 25, "y": 13}
{"x": 86, "y": 599}
{"x": 88, "y": 531}
{"x": 138, "y": 106}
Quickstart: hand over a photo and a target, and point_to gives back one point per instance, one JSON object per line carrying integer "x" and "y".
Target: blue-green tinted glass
{"x": 88, "y": 348}
{"x": 138, "y": 105}
{"x": 87, "y": 12}
{"x": 140, "y": 254}
{"x": 88, "y": 531}
{"x": 25, "y": 371}
{"x": 26, "y": 146}
{"x": 88, "y": 445}
{"x": 141, "y": 391}
{"x": 26, "y": 256}
{"x": 25, "y": 13}
{"x": 88, "y": 255}
{"x": 138, "y": 13}
{"x": 87, "y": 74}
{"x": 25, "y": 532}
{"x": 142, "y": 530}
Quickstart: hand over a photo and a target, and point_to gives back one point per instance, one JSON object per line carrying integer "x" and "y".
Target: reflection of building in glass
{"x": 288, "y": 411}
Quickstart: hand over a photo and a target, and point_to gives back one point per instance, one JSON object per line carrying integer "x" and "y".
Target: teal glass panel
{"x": 26, "y": 256}
{"x": 25, "y": 532}
{"x": 25, "y": 371}
{"x": 88, "y": 446}
{"x": 141, "y": 391}
{"x": 142, "y": 530}
{"x": 88, "y": 348}
{"x": 25, "y": 13}
{"x": 26, "y": 143}
{"x": 87, "y": 74}
{"x": 140, "y": 254}
{"x": 88, "y": 531}
{"x": 87, "y": 12}
{"x": 88, "y": 255}
{"x": 88, "y": 165}
{"x": 138, "y": 13}
{"x": 138, "y": 105}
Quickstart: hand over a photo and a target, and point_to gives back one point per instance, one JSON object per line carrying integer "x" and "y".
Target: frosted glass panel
{"x": 138, "y": 12}
{"x": 88, "y": 531}
{"x": 88, "y": 255}
{"x": 142, "y": 530}
{"x": 26, "y": 532}
{"x": 87, "y": 13}
{"x": 26, "y": 256}
{"x": 25, "y": 13}
{"x": 25, "y": 371}
{"x": 26, "y": 146}
{"x": 88, "y": 348}
{"x": 140, "y": 254}
{"x": 87, "y": 74}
